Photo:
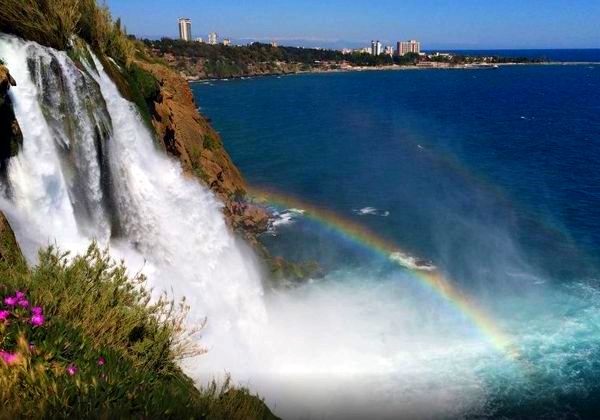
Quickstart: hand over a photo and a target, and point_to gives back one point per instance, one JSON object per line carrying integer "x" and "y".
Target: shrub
{"x": 210, "y": 141}
{"x": 81, "y": 338}
{"x": 54, "y": 22}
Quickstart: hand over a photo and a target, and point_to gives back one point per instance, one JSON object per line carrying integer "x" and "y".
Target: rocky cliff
{"x": 10, "y": 133}
{"x": 188, "y": 136}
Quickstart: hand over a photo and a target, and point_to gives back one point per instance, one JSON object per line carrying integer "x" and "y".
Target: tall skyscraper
{"x": 411, "y": 46}
{"x": 185, "y": 29}
{"x": 213, "y": 38}
{"x": 376, "y": 48}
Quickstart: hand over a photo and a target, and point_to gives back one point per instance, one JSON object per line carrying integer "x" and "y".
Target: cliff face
{"x": 188, "y": 136}
{"x": 11, "y": 138}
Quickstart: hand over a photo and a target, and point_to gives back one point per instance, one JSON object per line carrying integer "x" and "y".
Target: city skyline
{"x": 438, "y": 24}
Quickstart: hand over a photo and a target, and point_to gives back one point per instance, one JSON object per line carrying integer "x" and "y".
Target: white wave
{"x": 286, "y": 217}
{"x": 413, "y": 263}
{"x": 371, "y": 211}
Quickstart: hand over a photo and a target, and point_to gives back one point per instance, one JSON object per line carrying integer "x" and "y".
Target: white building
{"x": 185, "y": 29}
{"x": 213, "y": 38}
{"x": 227, "y": 42}
{"x": 389, "y": 50}
{"x": 411, "y": 46}
{"x": 376, "y": 48}
{"x": 199, "y": 39}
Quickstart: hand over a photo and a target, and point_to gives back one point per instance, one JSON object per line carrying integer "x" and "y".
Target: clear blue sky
{"x": 437, "y": 23}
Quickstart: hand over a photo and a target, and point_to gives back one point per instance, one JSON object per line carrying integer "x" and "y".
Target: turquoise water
{"x": 493, "y": 175}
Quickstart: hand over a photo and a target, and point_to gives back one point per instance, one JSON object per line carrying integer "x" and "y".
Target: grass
{"x": 55, "y": 22}
{"x": 210, "y": 141}
{"x": 94, "y": 312}
{"x": 62, "y": 23}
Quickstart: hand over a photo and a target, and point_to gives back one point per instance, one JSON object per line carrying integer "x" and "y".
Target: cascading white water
{"x": 88, "y": 154}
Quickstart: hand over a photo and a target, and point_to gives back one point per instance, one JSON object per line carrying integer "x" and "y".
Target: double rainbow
{"x": 428, "y": 276}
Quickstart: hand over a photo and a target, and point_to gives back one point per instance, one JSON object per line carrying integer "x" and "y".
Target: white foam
{"x": 371, "y": 211}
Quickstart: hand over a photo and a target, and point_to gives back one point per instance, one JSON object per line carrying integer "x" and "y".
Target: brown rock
{"x": 188, "y": 136}
{"x": 11, "y": 138}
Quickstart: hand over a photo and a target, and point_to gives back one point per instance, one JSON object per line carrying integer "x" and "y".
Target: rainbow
{"x": 427, "y": 275}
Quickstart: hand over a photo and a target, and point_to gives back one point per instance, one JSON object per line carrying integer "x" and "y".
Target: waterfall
{"x": 90, "y": 169}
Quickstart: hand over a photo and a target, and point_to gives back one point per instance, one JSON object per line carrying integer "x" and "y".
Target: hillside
{"x": 196, "y": 60}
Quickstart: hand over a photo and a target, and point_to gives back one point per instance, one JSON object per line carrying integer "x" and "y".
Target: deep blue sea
{"x": 492, "y": 175}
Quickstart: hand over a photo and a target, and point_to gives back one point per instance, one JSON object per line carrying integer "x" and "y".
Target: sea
{"x": 490, "y": 177}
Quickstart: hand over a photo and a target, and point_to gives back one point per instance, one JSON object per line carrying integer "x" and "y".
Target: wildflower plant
{"x": 86, "y": 340}
{"x": 17, "y": 320}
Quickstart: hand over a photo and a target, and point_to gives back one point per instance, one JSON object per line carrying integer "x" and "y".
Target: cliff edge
{"x": 187, "y": 135}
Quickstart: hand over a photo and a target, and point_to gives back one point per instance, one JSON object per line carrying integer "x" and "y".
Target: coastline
{"x": 395, "y": 67}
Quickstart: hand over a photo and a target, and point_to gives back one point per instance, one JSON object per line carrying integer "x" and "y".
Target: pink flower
{"x": 37, "y": 320}
{"x": 23, "y": 303}
{"x": 36, "y": 310}
{"x": 4, "y": 314}
{"x": 101, "y": 361}
{"x": 10, "y": 301}
{"x": 72, "y": 370}
{"x": 20, "y": 295}
{"x": 9, "y": 358}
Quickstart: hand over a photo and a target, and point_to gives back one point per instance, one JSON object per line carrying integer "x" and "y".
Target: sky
{"x": 334, "y": 23}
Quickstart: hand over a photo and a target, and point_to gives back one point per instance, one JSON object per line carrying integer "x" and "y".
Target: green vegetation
{"x": 79, "y": 338}
{"x": 210, "y": 141}
{"x": 220, "y": 61}
{"x": 144, "y": 89}
{"x": 54, "y": 22}
{"x": 61, "y": 23}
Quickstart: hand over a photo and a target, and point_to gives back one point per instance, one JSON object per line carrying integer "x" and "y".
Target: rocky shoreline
{"x": 353, "y": 69}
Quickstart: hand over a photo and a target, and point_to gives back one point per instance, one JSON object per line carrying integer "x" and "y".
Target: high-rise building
{"x": 389, "y": 50}
{"x": 411, "y": 46}
{"x": 213, "y": 38}
{"x": 185, "y": 29}
{"x": 376, "y": 48}
{"x": 227, "y": 42}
